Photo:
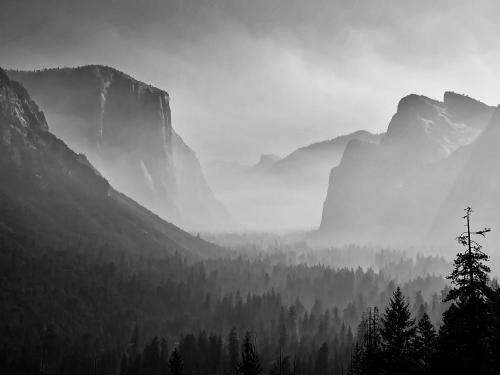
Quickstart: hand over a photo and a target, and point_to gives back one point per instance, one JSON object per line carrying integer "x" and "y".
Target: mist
{"x": 270, "y": 77}
{"x": 234, "y": 187}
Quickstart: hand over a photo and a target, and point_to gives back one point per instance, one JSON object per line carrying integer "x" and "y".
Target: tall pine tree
{"x": 233, "y": 352}
{"x": 462, "y": 344}
{"x": 398, "y": 330}
{"x": 175, "y": 364}
{"x": 250, "y": 363}
{"x": 424, "y": 344}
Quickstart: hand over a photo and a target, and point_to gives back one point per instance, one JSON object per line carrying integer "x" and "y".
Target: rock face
{"x": 317, "y": 159}
{"x": 281, "y": 194}
{"x": 477, "y": 185}
{"x": 125, "y": 128}
{"x": 392, "y": 192}
{"x": 53, "y": 197}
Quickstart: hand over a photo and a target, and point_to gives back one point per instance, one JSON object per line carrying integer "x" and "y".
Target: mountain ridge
{"x": 54, "y": 196}
{"x": 124, "y": 126}
{"x": 391, "y": 192}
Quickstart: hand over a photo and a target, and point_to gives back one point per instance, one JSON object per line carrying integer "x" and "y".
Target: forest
{"x": 272, "y": 311}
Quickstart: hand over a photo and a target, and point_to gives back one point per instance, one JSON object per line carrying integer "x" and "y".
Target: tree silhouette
{"x": 424, "y": 344}
{"x": 321, "y": 365}
{"x": 462, "y": 347}
{"x": 175, "y": 364}
{"x": 372, "y": 360}
{"x": 356, "y": 366}
{"x": 233, "y": 351}
{"x": 397, "y": 332}
{"x": 250, "y": 363}
{"x": 470, "y": 274}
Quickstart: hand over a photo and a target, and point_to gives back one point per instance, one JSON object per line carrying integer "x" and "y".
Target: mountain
{"x": 52, "y": 197}
{"x": 281, "y": 194}
{"x": 125, "y": 128}
{"x": 265, "y": 162}
{"x": 317, "y": 159}
{"x": 392, "y": 192}
{"x": 477, "y": 185}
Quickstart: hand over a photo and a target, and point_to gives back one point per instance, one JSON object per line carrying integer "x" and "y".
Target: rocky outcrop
{"x": 391, "y": 192}
{"x": 125, "y": 128}
{"x": 55, "y": 198}
{"x": 317, "y": 159}
{"x": 477, "y": 184}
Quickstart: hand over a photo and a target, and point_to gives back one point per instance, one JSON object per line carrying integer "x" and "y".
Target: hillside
{"x": 124, "y": 126}
{"x": 53, "y": 197}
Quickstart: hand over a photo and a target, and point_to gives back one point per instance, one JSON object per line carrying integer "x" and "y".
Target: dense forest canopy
{"x": 78, "y": 308}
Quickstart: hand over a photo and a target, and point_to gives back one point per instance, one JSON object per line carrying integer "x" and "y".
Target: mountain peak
{"x": 414, "y": 102}
{"x": 268, "y": 158}
{"x": 450, "y": 96}
{"x": 17, "y": 106}
{"x": 463, "y": 108}
{"x": 266, "y": 161}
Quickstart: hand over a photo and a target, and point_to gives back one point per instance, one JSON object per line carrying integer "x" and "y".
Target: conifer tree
{"x": 321, "y": 365}
{"x": 233, "y": 351}
{"x": 175, "y": 364}
{"x": 462, "y": 346}
{"x": 398, "y": 330}
{"x": 470, "y": 273}
{"x": 355, "y": 368}
{"x": 424, "y": 344}
{"x": 372, "y": 359}
{"x": 250, "y": 363}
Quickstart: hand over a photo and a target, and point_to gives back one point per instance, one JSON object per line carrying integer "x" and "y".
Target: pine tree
{"x": 175, "y": 364}
{"x": 470, "y": 273}
{"x": 321, "y": 365}
{"x": 462, "y": 346}
{"x": 424, "y": 344}
{"x": 355, "y": 368}
{"x": 283, "y": 335}
{"x": 372, "y": 357}
{"x": 250, "y": 363}
{"x": 233, "y": 352}
{"x": 397, "y": 333}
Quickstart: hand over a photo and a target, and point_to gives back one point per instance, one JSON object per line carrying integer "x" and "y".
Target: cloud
{"x": 266, "y": 76}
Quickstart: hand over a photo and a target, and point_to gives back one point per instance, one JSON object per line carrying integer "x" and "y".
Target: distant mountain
{"x": 53, "y": 197}
{"x": 281, "y": 194}
{"x": 125, "y": 128}
{"x": 266, "y": 162}
{"x": 317, "y": 159}
{"x": 392, "y": 192}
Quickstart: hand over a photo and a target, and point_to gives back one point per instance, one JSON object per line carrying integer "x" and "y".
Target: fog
{"x": 269, "y": 77}
{"x": 268, "y": 187}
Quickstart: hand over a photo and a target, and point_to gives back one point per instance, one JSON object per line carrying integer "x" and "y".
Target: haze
{"x": 256, "y": 77}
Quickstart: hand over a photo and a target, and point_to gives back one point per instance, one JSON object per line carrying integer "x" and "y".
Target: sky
{"x": 248, "y": 77}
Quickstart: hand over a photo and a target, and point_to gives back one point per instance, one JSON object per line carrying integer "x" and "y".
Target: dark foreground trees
{"x": 250, "y": 363}
{"x": 469, "y": 338}
{"x": 465, "y": 344}
{"x": 175, "y": 364}
{"x": 82, "y": 312}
